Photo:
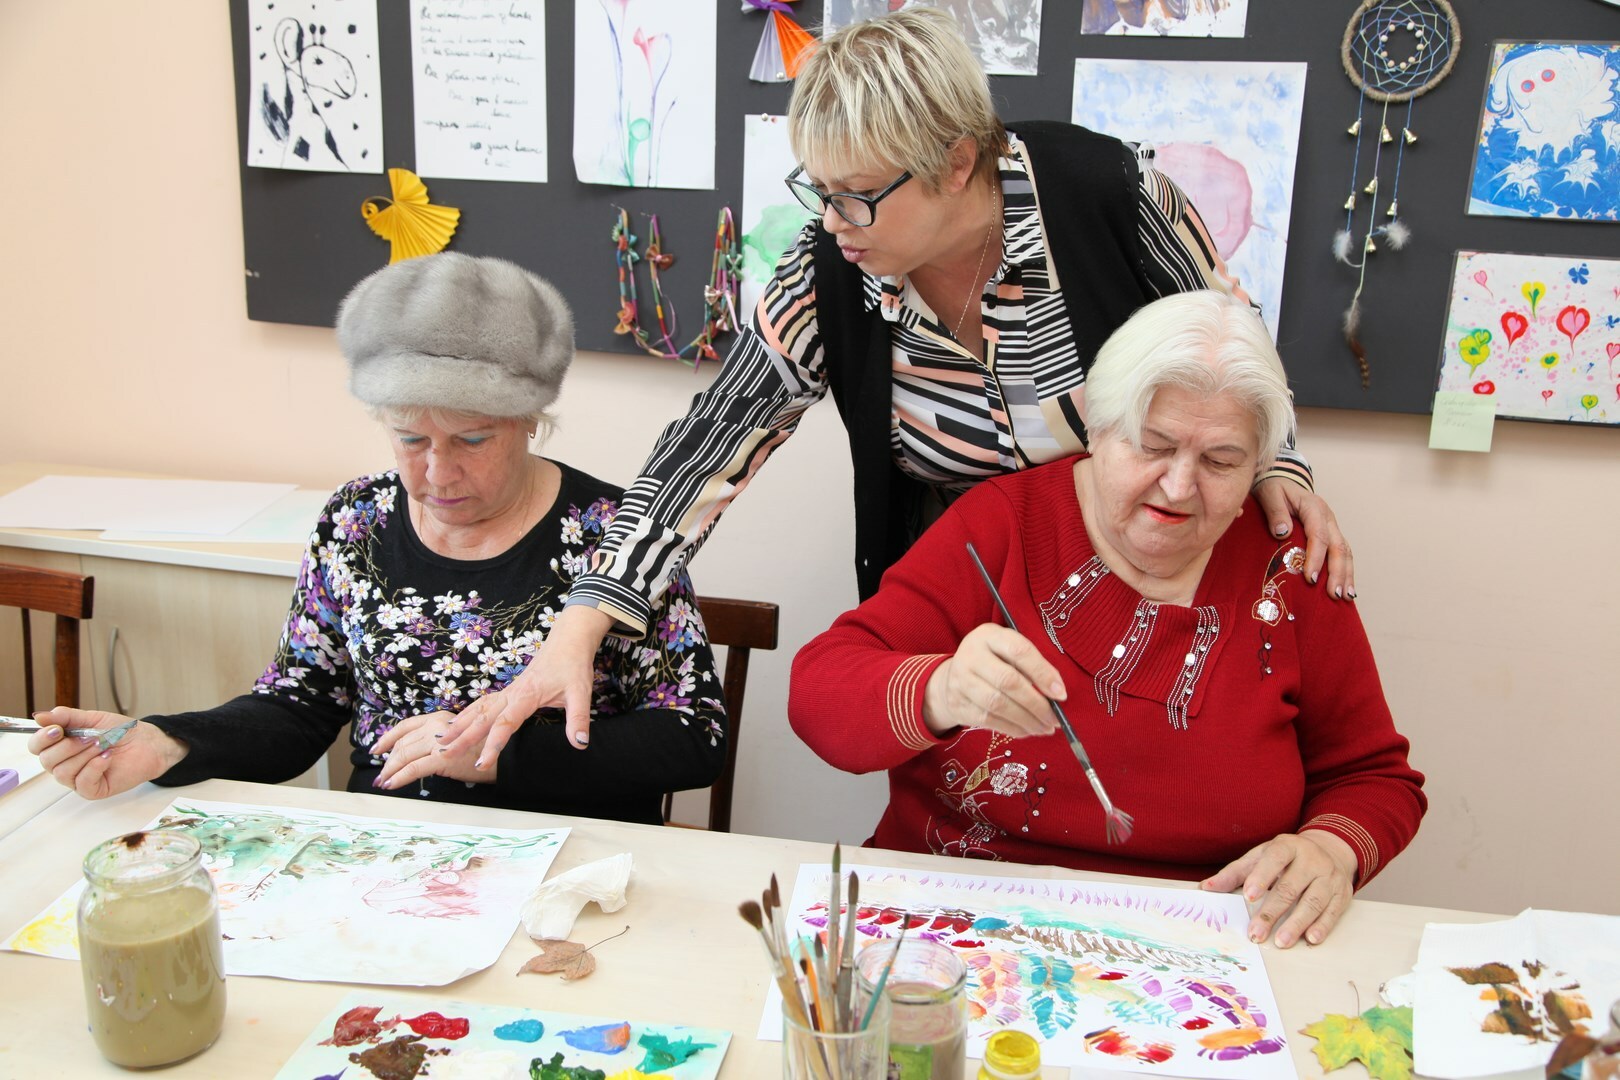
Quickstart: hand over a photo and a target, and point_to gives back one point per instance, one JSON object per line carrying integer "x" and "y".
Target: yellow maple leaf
{"x": 1381, "y": 1039}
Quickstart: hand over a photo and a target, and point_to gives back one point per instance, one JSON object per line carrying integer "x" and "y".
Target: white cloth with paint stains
{"x": 550, "y": 913}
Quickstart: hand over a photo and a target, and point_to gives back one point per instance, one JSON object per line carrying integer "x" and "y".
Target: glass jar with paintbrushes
{"x": 923, "y": 980}
{"x": 834, "y": 1026}
{"x": 150, "y": 949}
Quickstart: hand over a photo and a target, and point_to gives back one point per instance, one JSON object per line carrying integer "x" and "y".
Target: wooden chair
{"x": 741, "y": 626}
{"x": 70, "y": 597}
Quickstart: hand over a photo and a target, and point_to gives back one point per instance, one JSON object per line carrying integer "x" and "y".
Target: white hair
{"x": 896, "y": 91}
{"x": 1206, "y": 343}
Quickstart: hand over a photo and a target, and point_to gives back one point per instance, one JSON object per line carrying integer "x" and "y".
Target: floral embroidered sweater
{"x": 381, "y": 628}
{"x": 1257, "y": 711}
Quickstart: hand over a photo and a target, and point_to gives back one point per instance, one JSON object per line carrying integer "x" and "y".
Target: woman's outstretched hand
{"x": 561, "y": 673}
{"x": 1283, "y": 500}
{"x": 146, "y": 753}
{"x": 1307, "y": 877}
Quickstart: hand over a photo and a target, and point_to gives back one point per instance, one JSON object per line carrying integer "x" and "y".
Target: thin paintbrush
{"x": 106, "y": 738}
{"x": 1119, "y": 823}
{"x": 844, "y": 998}
{"x": 835, "y": 912}
{"x": 883, "y": 977}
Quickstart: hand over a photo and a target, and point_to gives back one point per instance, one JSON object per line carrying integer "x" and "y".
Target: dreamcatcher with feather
{"x": 1394, "y": 51}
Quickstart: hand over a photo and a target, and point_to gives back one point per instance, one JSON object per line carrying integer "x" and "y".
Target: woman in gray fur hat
{"x": 431, "y": 584}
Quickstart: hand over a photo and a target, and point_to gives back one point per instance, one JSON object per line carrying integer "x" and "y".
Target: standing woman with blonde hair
{"x": 951, "y": 296}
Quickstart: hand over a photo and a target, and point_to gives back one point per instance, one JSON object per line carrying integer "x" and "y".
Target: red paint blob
{"x": 432, "y": 1025}
{"x": 1155, "y": 1053}
{"x": 1110, "y": 976}
{"x": 1485, "y": 386}
{"x": 355, "y": 1026}
{"x": 1197, "y": 1023}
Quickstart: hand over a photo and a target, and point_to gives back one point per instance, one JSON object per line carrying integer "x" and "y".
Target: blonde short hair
{"x": 1204, "y": 342}
{"x": 896, "y": 91}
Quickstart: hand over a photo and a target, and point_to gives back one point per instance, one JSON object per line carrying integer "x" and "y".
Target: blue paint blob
{"x": 602, "y": 1039}
{"x": 990, "y": 922}
{"x": 521, "y": 1031}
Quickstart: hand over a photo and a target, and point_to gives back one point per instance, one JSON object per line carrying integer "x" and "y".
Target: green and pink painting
{"x": 373, "y": 1036}
{"x": 339, "y": 898}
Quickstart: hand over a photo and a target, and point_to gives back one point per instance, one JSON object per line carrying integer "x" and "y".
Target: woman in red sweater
{"x": 1225, "y": 700}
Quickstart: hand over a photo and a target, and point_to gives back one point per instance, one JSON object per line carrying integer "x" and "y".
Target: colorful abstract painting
{"x": 644, "y": 100}
{"x": 1496, "y": 997}
{"x": 771, "y": 216}
{"x": 1227, "y": 133}
{"x": 337, "y": 898}
{"x": 1549, "y": 133}
{"x": 378, "y": 1035}
{"x": 1165, "y": 18}
{"x": 1004, "y": 34}
{"x": 1124, "y": 978}
{"x": 314, "y": 86}
{"x": 1539, "y": 333}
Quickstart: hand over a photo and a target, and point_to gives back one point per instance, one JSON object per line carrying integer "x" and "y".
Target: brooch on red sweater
{"x": 1271, "y": 609}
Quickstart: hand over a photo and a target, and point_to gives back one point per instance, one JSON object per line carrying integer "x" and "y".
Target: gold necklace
{"x": 977, "y": 288}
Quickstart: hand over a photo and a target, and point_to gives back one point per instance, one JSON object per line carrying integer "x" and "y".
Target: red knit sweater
{"x": 1285, "y": 727}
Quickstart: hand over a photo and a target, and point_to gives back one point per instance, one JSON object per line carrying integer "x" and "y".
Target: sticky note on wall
{"x": 1462, "y": 421}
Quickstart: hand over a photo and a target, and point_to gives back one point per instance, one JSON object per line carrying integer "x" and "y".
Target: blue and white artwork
{"x": 1549, "y": 133}
{"x": 1227, "y": 133}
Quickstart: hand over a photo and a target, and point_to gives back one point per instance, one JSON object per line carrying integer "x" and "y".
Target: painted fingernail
{"x": 53, "y": 733}
{"x": 479, "y": 764}
{"x": 1282, "y": 530}
{"x": 582, "y": 738}
{"x": 1256, "y": 936}
{"x": 438, "y": 749}
{"x": 1314, "y": 578}
{"x": 1352, "y": 592}
{"x": 1339, "y": 592}
{"x": 438, "y": 734}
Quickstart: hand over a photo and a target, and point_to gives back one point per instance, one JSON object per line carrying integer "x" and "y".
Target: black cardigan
{"x": 1088, "y": 188}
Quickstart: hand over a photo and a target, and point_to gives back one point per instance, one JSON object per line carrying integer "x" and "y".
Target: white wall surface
{"x": 1490, "y": 584}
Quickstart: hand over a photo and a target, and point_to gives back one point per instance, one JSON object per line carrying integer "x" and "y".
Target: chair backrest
{"x": 70, "y": 597}
{"x": 741, "y": 626}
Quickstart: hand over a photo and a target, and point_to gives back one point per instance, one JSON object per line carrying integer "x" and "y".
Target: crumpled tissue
{"x": 550, "y": 913}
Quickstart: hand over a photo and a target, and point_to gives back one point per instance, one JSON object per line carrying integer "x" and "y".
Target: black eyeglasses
{"x": 858, "y": 210}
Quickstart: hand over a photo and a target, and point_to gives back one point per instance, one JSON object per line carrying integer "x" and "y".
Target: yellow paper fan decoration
{"x": 412, "y": 225}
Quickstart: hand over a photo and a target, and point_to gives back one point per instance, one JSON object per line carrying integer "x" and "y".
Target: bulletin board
{"x": 306, "y": 245}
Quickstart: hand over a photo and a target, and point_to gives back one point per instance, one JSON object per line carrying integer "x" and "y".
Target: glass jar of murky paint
{"x": 927, "y": 1006}
{"x": 150, "y": 947}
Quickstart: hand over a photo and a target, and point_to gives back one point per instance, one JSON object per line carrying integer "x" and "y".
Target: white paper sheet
{"x": 1005, "y": 35}
{"x": 204, "y": 508}
{"x": 1464, "y": 1024}
{"x": 1227, "y": 133}
{"x": 314, "y": 86}
{"x": 374, "y": 900}
{"x": 478, "y": 77}
{"x": 288, "y": 520}
{"x": 1185, "y": 993}
{"x": 1149, "y": 18}
{"x": 644, "y": 93}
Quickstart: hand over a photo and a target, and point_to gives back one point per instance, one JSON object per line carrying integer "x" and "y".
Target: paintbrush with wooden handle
{"x": 1119, "y": 823}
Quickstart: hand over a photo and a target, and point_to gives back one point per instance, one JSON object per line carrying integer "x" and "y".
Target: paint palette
{"x": 392, "y": 1037}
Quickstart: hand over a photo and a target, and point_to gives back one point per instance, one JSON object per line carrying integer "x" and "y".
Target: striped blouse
{"x": 957, "y": 420}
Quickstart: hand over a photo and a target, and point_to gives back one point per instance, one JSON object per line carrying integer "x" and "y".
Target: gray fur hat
{"x": 450, "y": 331}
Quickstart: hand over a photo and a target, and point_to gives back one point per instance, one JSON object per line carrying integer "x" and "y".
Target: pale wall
{"x": 1489, "y": 584}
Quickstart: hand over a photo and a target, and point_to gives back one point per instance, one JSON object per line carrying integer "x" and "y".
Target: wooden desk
{"x": 688, "y": 957}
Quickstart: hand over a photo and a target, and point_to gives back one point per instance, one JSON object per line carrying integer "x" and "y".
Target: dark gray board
{"x": 306, "y": 244}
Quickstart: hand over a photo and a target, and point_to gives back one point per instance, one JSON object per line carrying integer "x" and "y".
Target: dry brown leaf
{"x": 570, "y": 959}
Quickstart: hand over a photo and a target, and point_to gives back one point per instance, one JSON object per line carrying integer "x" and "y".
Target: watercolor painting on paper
{"x": 1496, "y": 997}
{"x": 314, "y": 86}
{"x": 1004, "y": 34}
{"x": 1227, "y": 133}
{"x": 1165, "y": 18}
{"x": 644, "y": 100}
{"x": 338, "y": 898}
{"x": 1538, "y": 333}
{"x": 373, "y": 1035}
{"x": 771, "y": 216}
{"x": 1549, "y": 133}
{"x": 1123, "y": 978}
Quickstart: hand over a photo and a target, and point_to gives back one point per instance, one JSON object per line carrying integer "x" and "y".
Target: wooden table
{"x": 688, "y": 958}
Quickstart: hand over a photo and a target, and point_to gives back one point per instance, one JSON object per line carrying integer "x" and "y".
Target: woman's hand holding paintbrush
{"x": 117, "y": 753}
